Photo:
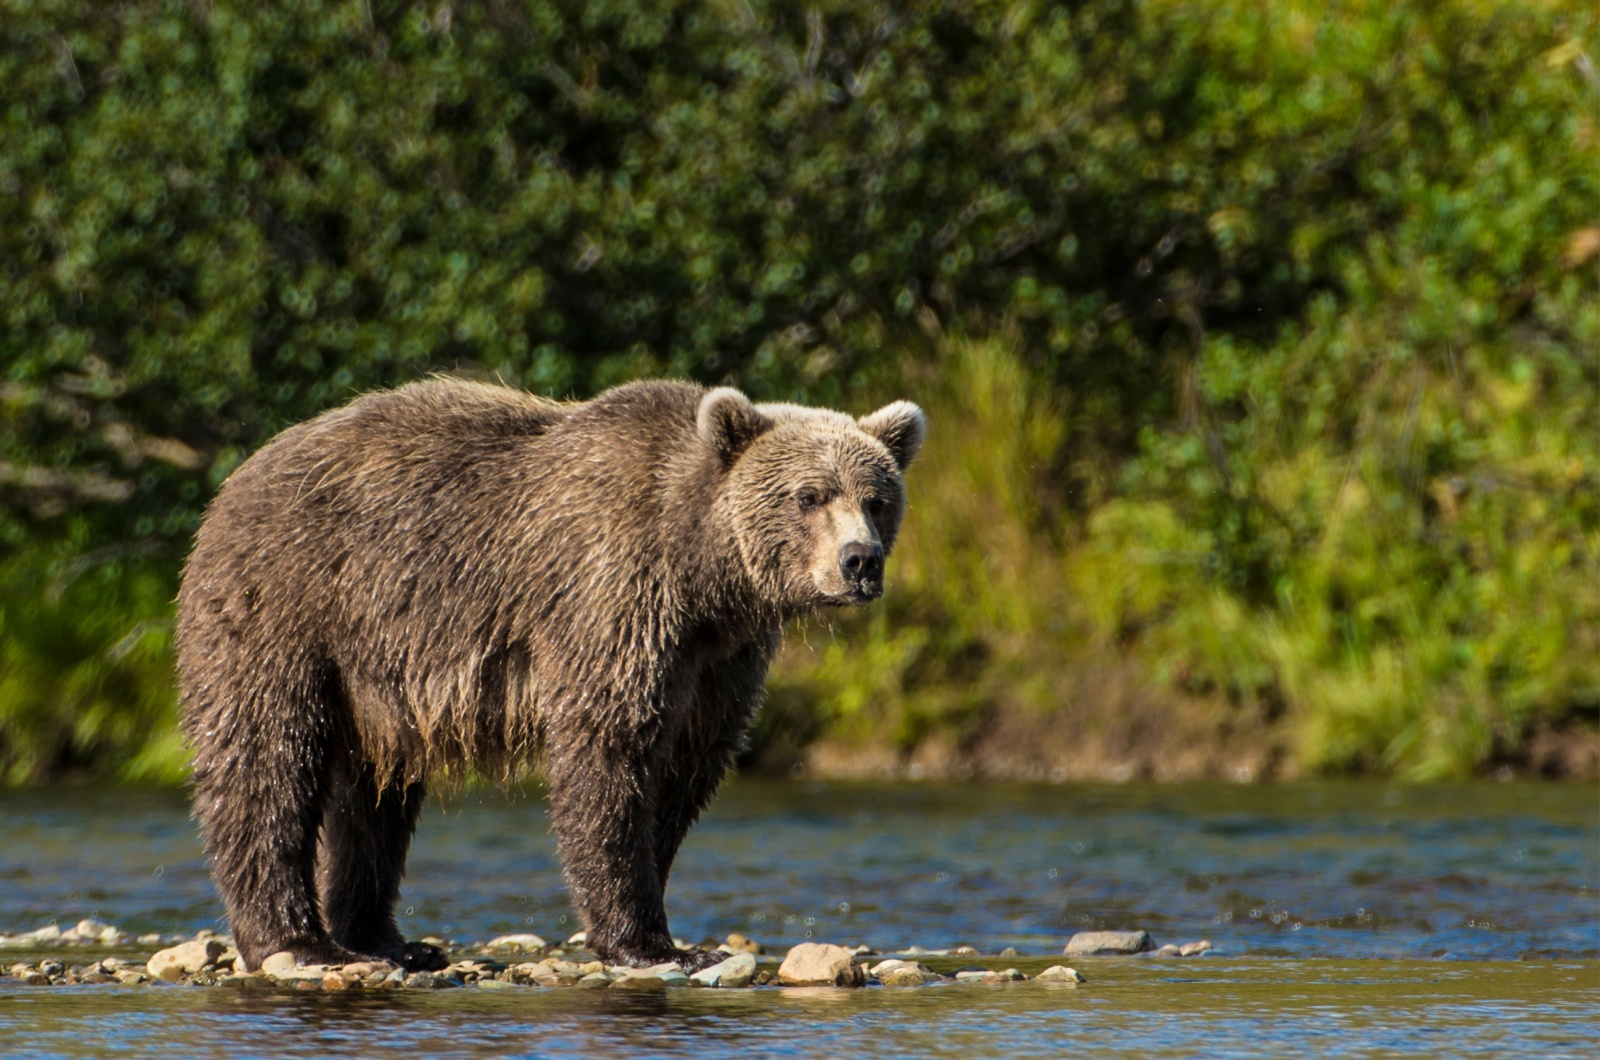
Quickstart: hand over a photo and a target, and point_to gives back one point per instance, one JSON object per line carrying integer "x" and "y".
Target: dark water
{"x": 1347, "y": 919}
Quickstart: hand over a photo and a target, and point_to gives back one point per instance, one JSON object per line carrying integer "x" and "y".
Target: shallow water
{"x": 1348, "y": 919}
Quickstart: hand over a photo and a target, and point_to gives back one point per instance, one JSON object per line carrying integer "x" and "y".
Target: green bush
{"x": 1232, "y": 246}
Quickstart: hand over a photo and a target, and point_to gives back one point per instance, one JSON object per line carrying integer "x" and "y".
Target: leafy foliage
{"x": 1292, "y": 280}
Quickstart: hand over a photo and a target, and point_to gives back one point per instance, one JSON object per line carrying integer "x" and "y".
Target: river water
{"x": 1347, "y": 919}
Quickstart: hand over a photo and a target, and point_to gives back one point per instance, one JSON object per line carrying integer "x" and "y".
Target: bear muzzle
{"x": 861, "y": 565}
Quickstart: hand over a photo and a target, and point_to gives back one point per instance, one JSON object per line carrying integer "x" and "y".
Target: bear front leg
{"x": 711, "y": 737}
{"x": 260, "y": 778}
{"x": 602, "y": 807}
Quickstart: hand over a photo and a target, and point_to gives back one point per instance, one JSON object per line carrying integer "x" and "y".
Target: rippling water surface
{"x": 1348, "y": 919}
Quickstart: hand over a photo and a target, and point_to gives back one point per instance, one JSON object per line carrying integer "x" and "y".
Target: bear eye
{"x": 875, "y": 506}
{"x": 807, "y": 500}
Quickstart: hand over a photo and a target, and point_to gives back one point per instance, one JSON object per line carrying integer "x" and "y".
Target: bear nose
{"x": 861, "y": 561}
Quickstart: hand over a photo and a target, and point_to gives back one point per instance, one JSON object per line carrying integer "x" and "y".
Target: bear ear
{"x": 900, "y": 427}
{"x": 728, "y": 422}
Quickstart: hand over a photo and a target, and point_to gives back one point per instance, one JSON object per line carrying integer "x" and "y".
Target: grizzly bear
{"x": 454, "y": 576}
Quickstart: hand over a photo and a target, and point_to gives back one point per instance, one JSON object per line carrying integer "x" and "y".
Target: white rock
{"x": 1059, "y": 974}
{"x": 737, "y": 970}
{"x": 523, "y": 942}
{"x": 812, "y": 964}
{"x": 1092, "y": 943}
{"x": 278, "y": 963}
{"x": 580, "y": 939}
{"x": 172, "y": 963}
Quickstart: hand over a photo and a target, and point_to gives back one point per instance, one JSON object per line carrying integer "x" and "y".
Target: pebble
{"x": 369, "y": 968}
{"x": 1107, "y": 943}
{"x": 92, "y": 930}
{"x": 209, "y": 959}
{"x": 895, "y": 972}
{"x": 496, "y": 984}
{"x": 814, "y": 964}
{"x": 737, "y": 970}
{"x": 525, "y": 942}
{"x": 173, "y": 963}
{"x": 637, "y": 982}
{"x": 280, "y": 963}
{"x": 737, "y": 943}
{"x": 1194, "y": 949}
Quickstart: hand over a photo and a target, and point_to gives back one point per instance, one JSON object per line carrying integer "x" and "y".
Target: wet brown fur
{"x": 455, "y": 575}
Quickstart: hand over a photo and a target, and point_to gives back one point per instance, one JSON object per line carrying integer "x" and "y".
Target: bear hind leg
{"x": 366, "y": 831}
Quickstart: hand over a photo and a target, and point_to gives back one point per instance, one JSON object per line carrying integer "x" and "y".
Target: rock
{"x": 148, "y": 940}
{"x": 1059, "y": 974}
{"x": 339, "y": 979}
{"x": 972, "y": 975}
{"x": 52, "y": 968}
{"x": 526, "y": 942}
{"x": 280, "y": 963}
{"x": 595, "y": 981}
{"x": 812, "y": 964}
{"x": 34, "y": 979}
{"x": 579, "y": 940}
{"x": 964, "y": 951}
{"x": 1108, "y": 943}
{"x": 1010, "y": 951}
{"x": 1169, "y": 950}
{"x": 904, "y": 973}
{"x": 132, "y": 978}
{"x": 98, "y": 977}
{"x": 737, "y": 943}
{"x": 420, "y": 980}
{"x": 1194, "y": 949}
{"x": 366, "y": 968}
{"x": 92, "y": 930}
{"x": 171, "y": 964}
{"x": 737, "y": 970}
{"x": 496, "y": 984}
{"x": 638, "y": 982}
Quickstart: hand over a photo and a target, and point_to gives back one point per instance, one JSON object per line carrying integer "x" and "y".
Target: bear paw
{"x": 418, "y": 957}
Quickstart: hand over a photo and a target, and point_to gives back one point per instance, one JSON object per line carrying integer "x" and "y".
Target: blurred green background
{"x": 1260, "y": 341}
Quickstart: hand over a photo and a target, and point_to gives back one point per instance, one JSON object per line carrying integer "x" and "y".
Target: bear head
{"x": 814, "y": 497}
